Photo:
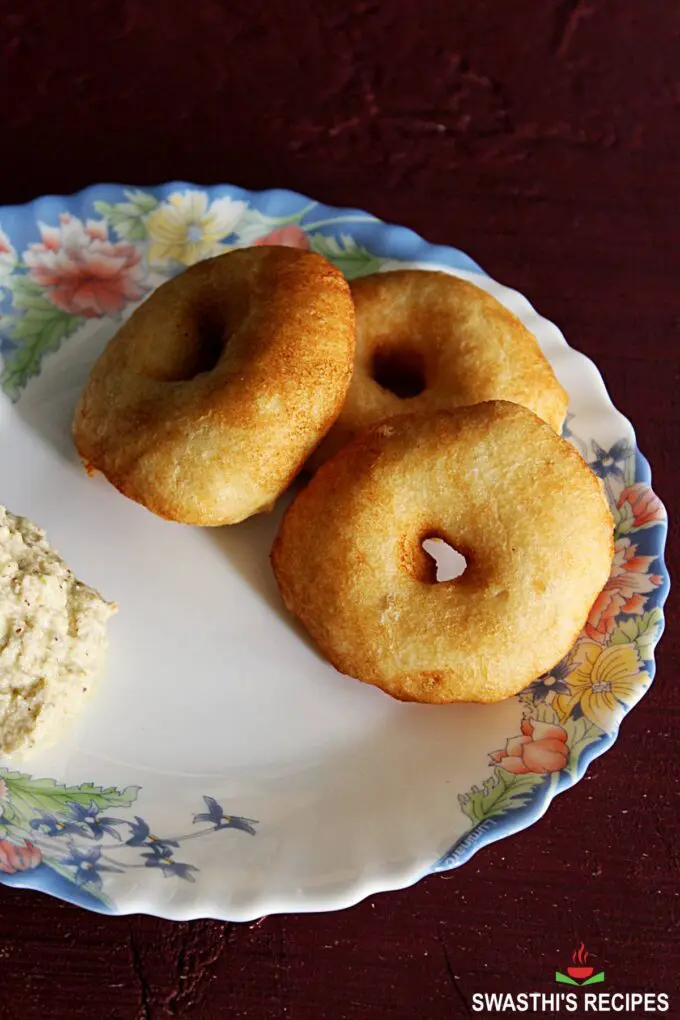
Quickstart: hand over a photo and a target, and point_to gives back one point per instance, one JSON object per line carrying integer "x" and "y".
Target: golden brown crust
{"x": 463, "y": 344}
{"x": 210, "y": 398}
{"x": 501, "y": 487}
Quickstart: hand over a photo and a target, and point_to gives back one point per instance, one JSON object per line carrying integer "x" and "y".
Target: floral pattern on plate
{"x": 69, "y": 831}
{"x": 580, "y": 703}
{"x": 104, "y": 265}
{"x": 66, "y": 262}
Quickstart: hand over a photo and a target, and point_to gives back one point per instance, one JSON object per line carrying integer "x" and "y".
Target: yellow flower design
{"x": 604, "y": 681}
{"x": 186, "y": 229}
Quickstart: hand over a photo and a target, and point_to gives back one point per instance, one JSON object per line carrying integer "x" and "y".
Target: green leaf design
{"x": 26, "y": 293}
{"x": 639, "y": 630}
{"x": 629, "y": 468}
{"x": 500, "y": 793}
{"x": 28, "y": 797}
{"x": 545, "y": 713}
{"x": 40, "y": 329}
{"x": 142, "y": 200}
{"x": 7, "y": 814}
{"x": 624, "y": 519}
{"x": 127, "y": 218}
{"x": 580, "y": 733}
{"x": 254, "y": 224}
{"x": 350, "y": 258}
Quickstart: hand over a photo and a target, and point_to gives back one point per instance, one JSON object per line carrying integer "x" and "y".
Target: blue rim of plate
{"x": 388, "y": 242}
{"x": 485, "y": 834}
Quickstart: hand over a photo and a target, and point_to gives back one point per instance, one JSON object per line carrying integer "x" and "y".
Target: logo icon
{"x": 580, "y": 973}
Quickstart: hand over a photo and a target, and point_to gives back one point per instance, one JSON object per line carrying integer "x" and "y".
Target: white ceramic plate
{"x": 223, "y": 768}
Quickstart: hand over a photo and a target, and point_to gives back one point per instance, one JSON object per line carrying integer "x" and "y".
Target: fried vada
{"x": 493, "y": 481}
{"x": 210, "y": 398}
{"x": 429, "y": 341}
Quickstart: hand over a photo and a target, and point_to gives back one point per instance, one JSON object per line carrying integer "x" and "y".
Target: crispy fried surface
{"x": 419, "y": 328}
{"x": 208, "y": 400}
{"x": 500, "y": 486}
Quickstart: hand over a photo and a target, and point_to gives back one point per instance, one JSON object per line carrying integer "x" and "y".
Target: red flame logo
{"x": 580, "y": 971}
{"x": 580, "y": 955}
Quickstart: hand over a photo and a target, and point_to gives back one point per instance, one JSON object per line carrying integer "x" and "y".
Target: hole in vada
{"x": 402, "y": 372}
{"x": 208, "y": 346}
{"x": 448, "y": 562}
{"x": 192, "y": 352}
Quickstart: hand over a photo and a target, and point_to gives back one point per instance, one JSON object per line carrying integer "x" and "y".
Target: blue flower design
{"x": 141, "y": 835}
{"x": 566, "y": 427}
{"x": 216, "y": 816}
{"x": 609, "y": 462}
{"x": 49, "y": 825}
{"x": 552, "y": 682}
{"x": 161, "y": 857}
{"x": 88, "y": 866}
{"x": 572, "y": 437}
{"x": 90, "y": 817}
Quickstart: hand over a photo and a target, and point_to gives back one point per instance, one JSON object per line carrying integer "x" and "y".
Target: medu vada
{"x": 210, "y": 398}
{"x": 429, "y": 341}
{"x": 498, "y": 485}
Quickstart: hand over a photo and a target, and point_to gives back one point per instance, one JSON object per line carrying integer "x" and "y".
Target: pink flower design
{"x": 644, "y": 506}
{"x": 15, "y": 858}
{"x": 82, "y": 271}
{"x": 624, "y": 592}
{"x": 290, "y": 236}
{"x": 3, "y": 789}
{"x": 541, "y": 748}
{"x": 8, "y": 256}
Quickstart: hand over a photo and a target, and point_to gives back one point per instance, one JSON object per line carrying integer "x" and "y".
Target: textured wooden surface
{"x": 542, "y": 136}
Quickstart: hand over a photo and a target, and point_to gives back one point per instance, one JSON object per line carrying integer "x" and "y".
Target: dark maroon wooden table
{"x": 544, "y": 139}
